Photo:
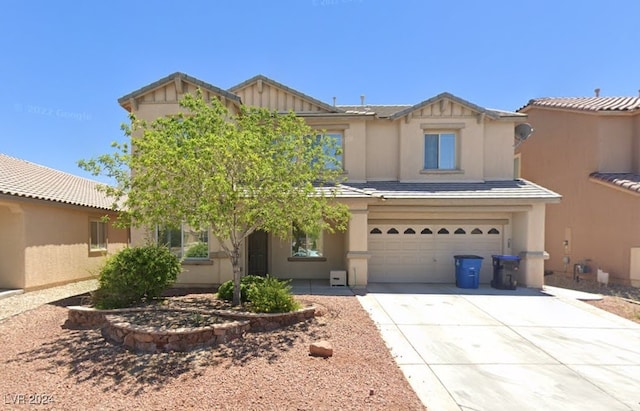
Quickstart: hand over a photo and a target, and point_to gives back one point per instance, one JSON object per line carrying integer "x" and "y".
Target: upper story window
{"x": 440, "y": 151}
{"x": 334, "y": 150}
{"x": 98, "y": 235}
{"x": 305, "y": 244}
{"x": 185, "y": 242}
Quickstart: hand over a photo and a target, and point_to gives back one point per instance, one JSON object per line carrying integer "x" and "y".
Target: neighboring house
{"x": 424, "y": 182}
{"x": 588, "y": 149}
{"x": 52, "y": 227}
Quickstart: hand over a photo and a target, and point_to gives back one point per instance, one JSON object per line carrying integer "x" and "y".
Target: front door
{"x": 258, "y": 253}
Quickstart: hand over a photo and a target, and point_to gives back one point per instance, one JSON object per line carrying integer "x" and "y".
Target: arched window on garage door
{"x": 392, "y": 231}
{"x": 409, "y": 231}
{"x": 476, "y": 231}
{"x": 375, "y": 231}
{"x": 493, "y": 231}
{"x": 426, "y": 231}
{"x": 443, "y": 231}
{"x": 459, "y": 231}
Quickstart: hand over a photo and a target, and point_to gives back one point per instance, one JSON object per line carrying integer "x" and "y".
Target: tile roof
{"x": 25, "y": 179}
{"x": 382, "y": 111}
{"x": 502, "y": 190}
{"x": 587, "y": 103}
{"x": 328, "y": 107}
{"x": 491, "y": 113}
{"x": 628, "y": 181}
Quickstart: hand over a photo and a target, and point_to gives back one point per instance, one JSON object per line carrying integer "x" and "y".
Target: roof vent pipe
{"x": 362, "y": 100}
{"x": 334, "y": 101}
{"x": 597, "y": 92}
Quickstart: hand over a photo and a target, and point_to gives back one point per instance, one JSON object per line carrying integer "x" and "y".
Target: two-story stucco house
{"x": 424, "y": 182}
{"x": 52, "y": 229}
{"x": 588, "y": 149}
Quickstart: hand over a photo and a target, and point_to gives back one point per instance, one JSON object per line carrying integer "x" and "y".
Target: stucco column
{"x": 528, "y": 243}
{"x": 357, "y": 249}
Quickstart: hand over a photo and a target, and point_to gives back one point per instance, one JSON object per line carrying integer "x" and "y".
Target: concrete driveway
{"x": 489, "y": 349}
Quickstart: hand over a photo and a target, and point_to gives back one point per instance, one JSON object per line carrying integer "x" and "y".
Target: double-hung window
{"x": 305, "y": 244}
{"x": 97, "y": 235}
{"x": 440, "y": 151}
{"x": 185, "y": 242}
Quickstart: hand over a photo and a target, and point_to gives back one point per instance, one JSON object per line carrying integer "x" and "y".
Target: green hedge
{"x": 263, "y": 294}
{"x": 134, "y": 275}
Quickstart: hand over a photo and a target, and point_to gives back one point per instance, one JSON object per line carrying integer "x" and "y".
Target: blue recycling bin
{"x": 468, "y": 270}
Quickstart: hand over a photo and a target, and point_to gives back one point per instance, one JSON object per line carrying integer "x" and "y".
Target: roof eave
{"x": 125, "y": 101}
{"x": 445, "y": 95}
{"x": 240, "y": 86}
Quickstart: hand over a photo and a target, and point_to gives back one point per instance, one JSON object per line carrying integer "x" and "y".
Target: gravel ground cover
{"x": 77, "y": 369}
{"x": 621, "y": 300}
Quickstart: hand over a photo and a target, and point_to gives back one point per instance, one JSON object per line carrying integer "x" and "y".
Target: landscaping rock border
{"x": 150, "y": 339}
{"x": 118, "y": 330}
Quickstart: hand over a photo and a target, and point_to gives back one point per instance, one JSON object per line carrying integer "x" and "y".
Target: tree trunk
{"x": 237, "y": 274}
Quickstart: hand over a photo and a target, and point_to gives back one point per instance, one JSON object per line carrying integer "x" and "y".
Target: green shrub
{"x": 272, "y": 296}
{"x": 136, "y": 274}
{"x": 198, "y": 250}
{"x": 225, "y": 291}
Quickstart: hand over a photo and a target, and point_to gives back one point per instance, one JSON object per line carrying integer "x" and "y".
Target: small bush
{"x": 136, "y": 274}
{"x": 272, "y": 296}
{"x": 198, "y": 250}
{"x": 225, "y": 291}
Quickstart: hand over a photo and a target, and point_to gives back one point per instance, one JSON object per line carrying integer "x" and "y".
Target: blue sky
{"x": 65, "y": 63}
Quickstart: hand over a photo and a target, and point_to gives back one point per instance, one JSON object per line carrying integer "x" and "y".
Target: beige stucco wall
{"x": 615, "y": 144}
{"x": 164, "y": 101}
{"x": 12, "y": 245}
{"x": 52, "y": 244}
{"x": 595, "y": 220}
{"x": 382, "y": 150}
{"x": 636, "y": 144}
{"x": 498, "y": 150}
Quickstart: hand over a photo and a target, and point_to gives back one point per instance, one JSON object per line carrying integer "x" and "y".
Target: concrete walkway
{"x": 14, "y": 302}
{"x": 489, "y": 349}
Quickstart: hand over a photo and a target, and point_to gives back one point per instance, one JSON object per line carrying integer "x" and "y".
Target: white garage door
{"x": 424, "y": 253}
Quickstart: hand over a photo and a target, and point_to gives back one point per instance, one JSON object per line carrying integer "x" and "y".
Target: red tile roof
{"x": 588, "y": 103}
{"x": 25, "y": 179}
{"x": 628, "y": 181}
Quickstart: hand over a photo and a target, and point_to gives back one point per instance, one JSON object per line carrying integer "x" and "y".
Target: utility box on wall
{"x": 338, "y": 278}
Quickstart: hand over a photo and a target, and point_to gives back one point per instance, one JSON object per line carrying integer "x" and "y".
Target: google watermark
{"x": 52, "y": 112}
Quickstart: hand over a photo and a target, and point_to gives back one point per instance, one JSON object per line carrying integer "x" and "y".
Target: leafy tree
{"x": 233, "y": 172}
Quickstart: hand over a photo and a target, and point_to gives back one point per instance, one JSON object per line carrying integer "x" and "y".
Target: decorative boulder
{"x": 321, "y": 349}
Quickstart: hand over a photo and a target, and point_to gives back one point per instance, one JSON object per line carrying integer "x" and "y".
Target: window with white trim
{"x": 98, "y": 235}
{"x": 440, "y": 151}
{"x": 185, "y": 242}
{"x": 305, "y": 245}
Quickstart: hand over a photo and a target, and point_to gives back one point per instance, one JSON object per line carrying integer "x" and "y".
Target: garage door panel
{"x": 409, "y": 257}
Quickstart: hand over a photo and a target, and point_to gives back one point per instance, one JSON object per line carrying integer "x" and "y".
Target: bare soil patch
{"x": 78, "y": 369}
